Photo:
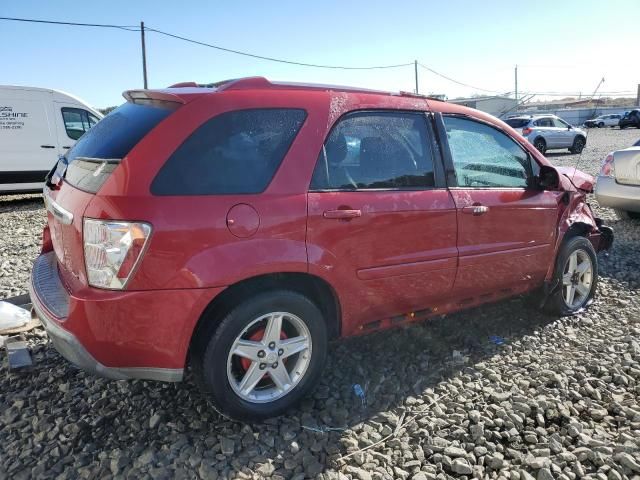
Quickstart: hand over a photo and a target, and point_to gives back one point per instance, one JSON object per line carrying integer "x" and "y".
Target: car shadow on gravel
{"x": 76, "y": 421}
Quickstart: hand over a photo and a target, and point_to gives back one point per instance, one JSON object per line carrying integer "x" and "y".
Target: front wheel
{"x": 263, "y": 356}
{"x": 600, "y": 125}
{"x": 575, "y": 277}
{"x": 578, "y": 145}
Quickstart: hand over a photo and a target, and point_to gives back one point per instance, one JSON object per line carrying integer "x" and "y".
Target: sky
{"x": 559, "y": 46}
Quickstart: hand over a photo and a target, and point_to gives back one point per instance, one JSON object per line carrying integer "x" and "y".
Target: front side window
{"x": 76, "y": 122}
{"x": 376, "y": 150}
{"x": 484, "y": 156}
{"x": 233, "y": 153}
{"x": 558, "y": 123}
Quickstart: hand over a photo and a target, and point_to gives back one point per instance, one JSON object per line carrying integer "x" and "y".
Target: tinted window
{"x": 543, "y": 122}
{"x": 637, "y": 144}
{"x": 368, "y": 150}
{"x": 96, "y": 154}
{"x": 234, "y": 153}
{"x": 485, "y": 157}
{"x": 517, "y": 122}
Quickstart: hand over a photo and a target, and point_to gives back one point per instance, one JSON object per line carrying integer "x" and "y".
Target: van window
{"x": 77, "y": 121}
{"x": 233, "y": 153}
{"x": 96, "y": 154}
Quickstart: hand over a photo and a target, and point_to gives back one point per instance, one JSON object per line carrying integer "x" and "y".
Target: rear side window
{"x": 233, "y": 153}
{"x": 543, "y": 122}
{"x": 517, "y": 122}
{"x": 96, "y": 154}
{"x": 372, "y": 150}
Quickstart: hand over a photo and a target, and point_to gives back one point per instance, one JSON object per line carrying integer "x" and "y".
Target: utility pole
{"x": 144, "y": 55}
{"x": 638, "y": 96}
{"x": 516, "y": 77}
{"x": 415, "y": 66}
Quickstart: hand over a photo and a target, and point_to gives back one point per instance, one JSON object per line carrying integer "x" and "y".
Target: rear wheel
{"x": 575, "y": 277}
{"x": 627, "y": 215}
{"x": 578, "y": 145}
{"x": 540, "y": 145}
{"x": 263, "y": 356}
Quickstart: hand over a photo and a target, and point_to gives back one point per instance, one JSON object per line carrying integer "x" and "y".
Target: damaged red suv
{"x": 238, "y": 227}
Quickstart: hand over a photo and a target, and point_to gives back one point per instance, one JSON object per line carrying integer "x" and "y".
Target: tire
{"x": 215, "y": 368}
{"x": 578, "y": 145}
{"x": 627, "y": 215}
{"x": 540, "y": 144}
{"x": 600, "y": 125}
{"x": 557, "y": 303}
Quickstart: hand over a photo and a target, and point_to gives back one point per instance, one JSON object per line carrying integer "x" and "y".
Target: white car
{"x": 36, "y": 126}
{"x": 618, "y": 184}
{"x": 604, "y": 121}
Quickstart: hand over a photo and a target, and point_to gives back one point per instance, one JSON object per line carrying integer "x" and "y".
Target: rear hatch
{"x": 627, "y": 166}
{"x": 79, "y": 175}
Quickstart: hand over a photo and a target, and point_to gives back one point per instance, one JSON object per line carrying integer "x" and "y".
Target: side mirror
{"x": 548, "y": 178}
{"x": 569, "y": 127}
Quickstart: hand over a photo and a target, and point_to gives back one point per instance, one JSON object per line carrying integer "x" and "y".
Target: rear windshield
{"x": 235, "y": 152}
{"x": 517, "y": 122}
{"x": 98, "y": 152}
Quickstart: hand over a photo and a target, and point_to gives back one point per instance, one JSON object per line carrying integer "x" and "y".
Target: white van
{"x": 36, "y": 126}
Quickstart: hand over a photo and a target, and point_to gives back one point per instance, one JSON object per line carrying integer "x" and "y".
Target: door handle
{"x": 47, "y": 146}
{"x": 345, "y": 214}
{"x": 475, "y": 210}
{"x": 66, "y": 147}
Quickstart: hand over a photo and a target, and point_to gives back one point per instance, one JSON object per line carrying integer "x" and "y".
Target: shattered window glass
{"x": 485, "y": 157}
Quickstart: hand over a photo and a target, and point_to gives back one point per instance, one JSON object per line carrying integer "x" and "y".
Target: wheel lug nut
{"x": 280, "y": 352}
{"x": 275, "y": 365}
{"x": 261, "y": 354}
{"x": 272, "y": 345}
{"x": 263, "y": 366}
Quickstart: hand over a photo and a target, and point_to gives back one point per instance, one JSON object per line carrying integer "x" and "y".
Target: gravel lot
{"x": 557, "y": 399}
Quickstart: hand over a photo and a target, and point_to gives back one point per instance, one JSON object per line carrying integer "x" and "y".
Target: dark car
{"x": 630, "y": 119}
{"x": 238, "y": 229}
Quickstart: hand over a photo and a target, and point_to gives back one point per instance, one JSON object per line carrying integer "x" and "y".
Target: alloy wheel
{"x": 269, "y": 358}
{"x": 577, "y": 278}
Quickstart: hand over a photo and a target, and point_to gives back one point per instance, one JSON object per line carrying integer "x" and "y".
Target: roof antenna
{"x": 575, "y": 169}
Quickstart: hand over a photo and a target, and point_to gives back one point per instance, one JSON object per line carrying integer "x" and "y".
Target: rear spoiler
{"x": 146, "y": 97}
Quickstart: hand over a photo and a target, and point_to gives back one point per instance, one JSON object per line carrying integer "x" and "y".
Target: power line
{"x": 456, "y": 81}
{"x": 131, "y": 28}
{"x": 272, "y": 59}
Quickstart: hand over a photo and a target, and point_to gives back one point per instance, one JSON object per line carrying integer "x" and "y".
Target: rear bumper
{"x": 118, "y": 335}
{"x": 616, "y": 195}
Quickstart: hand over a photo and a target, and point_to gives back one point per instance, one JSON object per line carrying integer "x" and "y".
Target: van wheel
{"x": 264, "y": 355}
{"x": 578, "y": 145}
{"x": 576, "y": 277}
{"x": 540, "y": 145}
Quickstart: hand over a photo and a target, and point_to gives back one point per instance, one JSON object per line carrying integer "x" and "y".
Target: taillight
{"x": 112, "y": 249}
{"x": 47, "y": 243}
{"x": 607, "y": 169}
{"x": 526, "y": 131}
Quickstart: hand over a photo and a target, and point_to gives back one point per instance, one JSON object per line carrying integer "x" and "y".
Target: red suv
{"x": 239, "y": 226}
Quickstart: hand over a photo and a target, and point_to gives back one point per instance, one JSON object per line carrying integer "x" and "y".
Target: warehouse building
{"x": 496, "y": 105}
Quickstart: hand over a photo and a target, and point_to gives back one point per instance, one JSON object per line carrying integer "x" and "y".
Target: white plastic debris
{"x": 12, "y": 316}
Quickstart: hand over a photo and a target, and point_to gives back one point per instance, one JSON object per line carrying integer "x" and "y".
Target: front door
{"x": 506, "y": 230}
{"x": 381, "y": 225}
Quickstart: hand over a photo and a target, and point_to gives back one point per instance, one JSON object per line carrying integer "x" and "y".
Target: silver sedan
{"x": 618, "y": 184}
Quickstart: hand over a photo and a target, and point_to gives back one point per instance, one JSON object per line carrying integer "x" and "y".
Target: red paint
{"x": 384, "y": 253}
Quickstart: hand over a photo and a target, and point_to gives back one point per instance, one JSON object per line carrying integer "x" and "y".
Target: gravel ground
{"x": 550, "y": 398}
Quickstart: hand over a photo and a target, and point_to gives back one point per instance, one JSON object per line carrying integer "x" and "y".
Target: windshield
{"x": 517, "y": 122}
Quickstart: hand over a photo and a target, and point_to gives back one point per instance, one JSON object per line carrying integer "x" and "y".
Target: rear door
{"x": 381, "y": 223}
{"x": 546, "y": 127}
{"x": 505, "y": 229}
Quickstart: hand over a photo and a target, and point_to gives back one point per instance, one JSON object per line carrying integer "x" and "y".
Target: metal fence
{"x": 576, "y": 116}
